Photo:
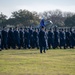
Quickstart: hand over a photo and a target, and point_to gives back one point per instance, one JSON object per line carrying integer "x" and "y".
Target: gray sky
{"x": 8, "y": 6}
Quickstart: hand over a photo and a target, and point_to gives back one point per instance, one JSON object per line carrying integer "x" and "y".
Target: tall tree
{"x": 70, "y": 21}
{"x": 24, "y": 17}
{"x": 3, "y": 19}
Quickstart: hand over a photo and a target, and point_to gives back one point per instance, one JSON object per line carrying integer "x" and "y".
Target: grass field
{"x": 31, "y": 62}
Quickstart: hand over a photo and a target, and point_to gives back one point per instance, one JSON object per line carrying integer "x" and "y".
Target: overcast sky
{"x": 8, "y": 6}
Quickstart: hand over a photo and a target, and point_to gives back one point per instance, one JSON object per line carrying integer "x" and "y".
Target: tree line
{"x": 27, "y": 18}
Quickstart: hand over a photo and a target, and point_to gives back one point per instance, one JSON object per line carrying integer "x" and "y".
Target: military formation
{"x": 40, "y": 38}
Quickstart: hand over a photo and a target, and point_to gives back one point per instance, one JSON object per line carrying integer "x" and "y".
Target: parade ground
{"x": 31, "y": 62}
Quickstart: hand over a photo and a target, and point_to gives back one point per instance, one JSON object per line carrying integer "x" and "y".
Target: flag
{"x": 42, "y": 22}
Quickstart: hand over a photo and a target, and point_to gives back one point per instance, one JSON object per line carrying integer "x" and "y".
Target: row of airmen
{"x": 32, "y": 38}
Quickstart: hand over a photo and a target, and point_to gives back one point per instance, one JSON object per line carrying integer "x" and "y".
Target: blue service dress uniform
{"x": 42, "y": 42}
{"x": 50, "y": 39}
{"x": 4, "y": 38}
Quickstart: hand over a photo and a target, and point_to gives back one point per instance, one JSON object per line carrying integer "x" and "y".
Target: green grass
{"x": 31, "y": 62}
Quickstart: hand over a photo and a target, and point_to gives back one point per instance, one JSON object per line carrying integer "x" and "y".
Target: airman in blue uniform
{"x": 42, "y": 42}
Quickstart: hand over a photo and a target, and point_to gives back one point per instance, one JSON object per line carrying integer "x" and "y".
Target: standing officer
{"x": 68, "y": 38}
{"x": 4, "y": 38}
{"x": 61, "y": 38}
{"x": 74, "y": 36}
{"x": 56, "y": 43}
{"x": 31, "y": 37}
{"x": 71, "y": 38}
{"x": 42, "y": 42}
{"x": 46, "y": 38}
{"x": 17, "y": 38}
{"x": 35, "y": 35}
{"x": 0, "y": 40}
{"x": 21, "y": 37}
{"x": 11, "y": 39}
{"x": 26, "y": 38}
{"x": 50, "y": 38}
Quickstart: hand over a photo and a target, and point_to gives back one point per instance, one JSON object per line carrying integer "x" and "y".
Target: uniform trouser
{"x": 55, "y": 44}
{"x": 42, "y": 48}
{"x": 74, "y": 42}
{"x": 67, "y": 43}
{"x": 17, "y": 43}
{"x": 35, "y": 43}
{"x": 26, "y": 43}
{"x": 71, "y": 43}
{"x": 0, "y": 45}
{"x": 50, "y": 43}
{"x": 32, "y": 43}
{"x": 4, "y": 44}
{"x": 11, "y": 43}
{"x": 21, "y": 42}
{"x": 62, "y": 43}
